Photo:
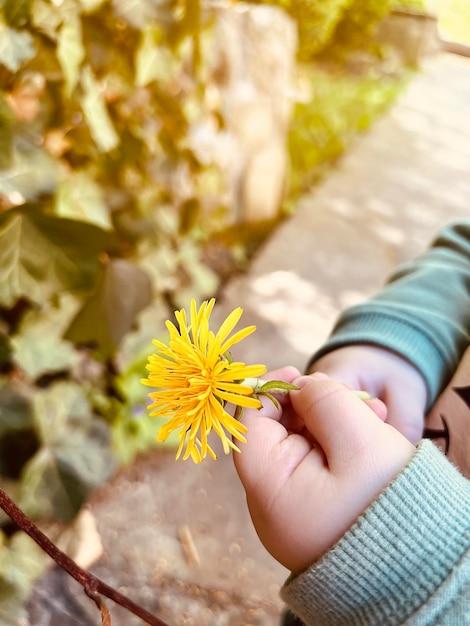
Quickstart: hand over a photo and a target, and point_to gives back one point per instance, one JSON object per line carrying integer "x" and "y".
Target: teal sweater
{"x": 423, "y": 313}
{"x": 406, "y": 561}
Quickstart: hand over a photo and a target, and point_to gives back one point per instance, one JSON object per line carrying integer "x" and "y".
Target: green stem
{"x": 279, "y": 386}
{"x": 273, "y": 386}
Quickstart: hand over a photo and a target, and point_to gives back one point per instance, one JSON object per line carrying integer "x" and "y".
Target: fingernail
{"x": 303, "y": 381}
{"x": 320, "y": 376}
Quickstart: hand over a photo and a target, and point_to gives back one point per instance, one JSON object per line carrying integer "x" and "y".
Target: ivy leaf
{"x": 137, "y": 13}
{"x": 16, "y": 12}
{"x": 70, "y": 51}
{"x": 132, "y": 430}
{"x": 5, "y": 350}
{"x": 89, "y": 6}
{"x": 41, "y": 256}
{"x": 96, "y": 113}
{"x": 153, "y": 61}
{"x": 27, "y": 264}
{"x": 74, "y": 457}
{"x": 46, "y": 18}
{"x": 33, "y": 172}
{"x": 22, "y": 562}
{"x": 134, "y": 349}
{"x": 6, "y": 134}
{"x": 39, "y": 347}
{"x": 78, "y": 241}
{"x": 15, "y": 409}
{"x": 123, "y": 290}
{"x": 79, "y": 197}
{"x": 135, "y": 433}
{"x": 16, "y": 47}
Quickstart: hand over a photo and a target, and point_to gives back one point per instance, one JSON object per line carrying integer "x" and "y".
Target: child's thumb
{"x": 339, "y": 421}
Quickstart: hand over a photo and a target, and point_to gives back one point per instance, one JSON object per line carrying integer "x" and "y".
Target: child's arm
{"x": 403, "y": 344}
{"x": 313, "y": 468}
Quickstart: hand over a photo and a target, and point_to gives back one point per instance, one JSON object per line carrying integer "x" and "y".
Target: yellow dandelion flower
{"x": 195, "y": 377}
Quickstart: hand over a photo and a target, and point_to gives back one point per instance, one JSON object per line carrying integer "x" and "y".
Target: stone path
{"x": 386, "y": 199}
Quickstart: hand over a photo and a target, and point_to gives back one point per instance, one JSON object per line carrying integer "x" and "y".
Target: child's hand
{"x": 311, "y": 468}
{"x": 384, "y": 375}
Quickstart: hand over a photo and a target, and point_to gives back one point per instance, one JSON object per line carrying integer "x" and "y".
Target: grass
{"x": 341, "y": 107}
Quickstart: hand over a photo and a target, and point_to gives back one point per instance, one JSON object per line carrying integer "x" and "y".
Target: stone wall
{"x": 254, "y": 66}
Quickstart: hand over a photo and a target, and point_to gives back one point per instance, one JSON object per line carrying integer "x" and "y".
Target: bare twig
{"x": 189, "y": 547}
{"x": 98, "y": 600}
{"x": 92, "y": 585}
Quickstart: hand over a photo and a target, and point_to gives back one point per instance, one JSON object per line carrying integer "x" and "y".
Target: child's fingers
{"x": 265, "y": 429}
{"x": 379, "y": 408}
{"x": 272, "y": 409}
{"x": 339, "y": 421}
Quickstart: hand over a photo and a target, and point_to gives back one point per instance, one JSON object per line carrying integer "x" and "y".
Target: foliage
{"x": 333, "y": 26}
{"x": 409, "y": 5}
{"x": 103, "y": 220}
{"x": 355, "y": 30}
{"x": 21, "y": 563}
{"x": 97, "y": 181}
{"x": 324, "y": 127}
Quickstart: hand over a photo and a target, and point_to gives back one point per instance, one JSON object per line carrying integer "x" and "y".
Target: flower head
{"x": 195, "y": 377}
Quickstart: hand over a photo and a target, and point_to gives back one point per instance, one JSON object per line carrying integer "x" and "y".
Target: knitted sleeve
{"x": 423, "y": 313}
{"x": 406, "y": 561}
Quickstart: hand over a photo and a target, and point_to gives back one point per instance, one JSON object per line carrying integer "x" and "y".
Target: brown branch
{"x": 91, "y": 584}
{"x": 98, "y": 600}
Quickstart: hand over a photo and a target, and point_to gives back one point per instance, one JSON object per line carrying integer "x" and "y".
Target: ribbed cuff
{"x": 395, "y": 556}
{"x": 390, "y": 329}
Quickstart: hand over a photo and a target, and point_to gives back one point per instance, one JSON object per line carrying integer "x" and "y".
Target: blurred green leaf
{"x": 74, "y": 458}
{"x": 188, "y": 27}
{"x": 5, "y": 349}
{"x": 32, "y": 172}
{"x": 161, "y": 264}
{"x": 46, "y": 18}
{"x": 15, "y": 408}
{"x": 6, "y": 134}
{"x": 79, "y": 197}
{"x": 137, "y": 344}
{"x": 70, "y": 51}
{"x": 89, "y": 6}
{"x": 325, "y": 126}
{"x": 202, "y": 280}
{"x": 16, "y": 47}
{"x": 38, "y": 345}
{"x": 22, "y": 562}
{"x": 134, "y": 433}
{"x": 41, "y": 256}
{"x": 154, "y": 61}
{"x": 123, "y": 290}
{"x": 16, "y": 12}
{"x": 25, "y": 263}
{"x": 138, "y": 13}
{"x": 96, "y": 113}
{"x": 57, "y": 408}
{"x": 78, "y": 241}
{"x": 190, "y": 212}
